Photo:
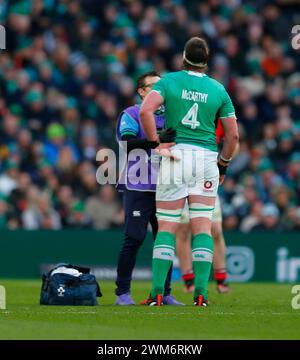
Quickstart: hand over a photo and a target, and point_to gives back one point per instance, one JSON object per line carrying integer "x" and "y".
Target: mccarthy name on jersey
{"x": 194, "y": 96}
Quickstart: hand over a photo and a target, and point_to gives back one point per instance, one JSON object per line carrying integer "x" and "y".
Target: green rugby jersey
{"x": 194, "y": 102}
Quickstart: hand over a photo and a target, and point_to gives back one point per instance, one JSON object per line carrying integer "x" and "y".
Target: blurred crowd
{"x": 70, "y": 67}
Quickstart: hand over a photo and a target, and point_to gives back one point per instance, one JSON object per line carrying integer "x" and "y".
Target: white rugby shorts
{"x": 195, "y": 173}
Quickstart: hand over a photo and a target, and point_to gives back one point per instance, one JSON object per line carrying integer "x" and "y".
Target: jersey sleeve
{"x": 159, "y": 87}
{"x": 128, "y": 126}
{"x": 226, "y": 109}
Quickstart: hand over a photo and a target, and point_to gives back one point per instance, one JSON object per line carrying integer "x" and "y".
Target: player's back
{"x": 194, "y": 102}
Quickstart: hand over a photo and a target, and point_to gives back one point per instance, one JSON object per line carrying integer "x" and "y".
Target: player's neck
{"x": 194, "y": 69}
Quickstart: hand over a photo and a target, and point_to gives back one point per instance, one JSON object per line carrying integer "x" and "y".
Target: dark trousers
{"x": 140, "y": 210}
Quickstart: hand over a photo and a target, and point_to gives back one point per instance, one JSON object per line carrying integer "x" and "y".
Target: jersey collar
{"x": 195, "y": 73}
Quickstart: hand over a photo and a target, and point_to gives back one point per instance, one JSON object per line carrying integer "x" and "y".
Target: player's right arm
{"x": 231, "y": 134}
{"x": 231, "y": 138}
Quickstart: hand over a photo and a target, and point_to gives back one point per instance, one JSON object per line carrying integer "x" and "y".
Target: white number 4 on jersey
{"x": 190, "y": 118}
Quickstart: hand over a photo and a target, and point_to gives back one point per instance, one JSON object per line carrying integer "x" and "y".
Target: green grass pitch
{"x": 250, "y": 311}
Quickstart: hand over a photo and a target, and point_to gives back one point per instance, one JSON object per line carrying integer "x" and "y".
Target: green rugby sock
{"x": 202, "y": 252}
{"x": 163, "y": 254}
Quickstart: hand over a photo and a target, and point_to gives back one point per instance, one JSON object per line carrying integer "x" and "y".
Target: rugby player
{"x": 191, "y": 170}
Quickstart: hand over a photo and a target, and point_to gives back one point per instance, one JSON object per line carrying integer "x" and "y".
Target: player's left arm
{"x": 149, "y": 105}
